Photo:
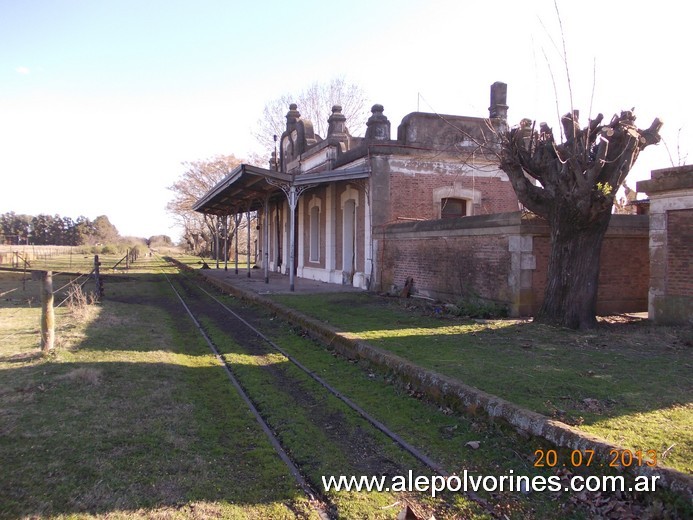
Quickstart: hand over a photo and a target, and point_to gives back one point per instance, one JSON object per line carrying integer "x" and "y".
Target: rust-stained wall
{"x": 504, "y": 258}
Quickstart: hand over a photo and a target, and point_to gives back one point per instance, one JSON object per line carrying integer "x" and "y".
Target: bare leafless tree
{"x": 314, "y": 103}
{"x": 572, "y": 182}
{"x": 200, "y": 230}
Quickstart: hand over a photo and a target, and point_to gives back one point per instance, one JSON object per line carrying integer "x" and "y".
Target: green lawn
{"x": 627, "y": 382}
{"x": 131, "y": 417}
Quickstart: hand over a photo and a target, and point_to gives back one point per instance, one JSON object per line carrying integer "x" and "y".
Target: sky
{"x": 101, "y": 101}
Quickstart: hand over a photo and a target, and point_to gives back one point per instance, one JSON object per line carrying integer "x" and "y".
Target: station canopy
{"x": 247, "y": 187}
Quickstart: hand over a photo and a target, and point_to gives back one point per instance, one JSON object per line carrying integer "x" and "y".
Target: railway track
{"x": 295, "y": 472}
{"x": 369, "y": 446}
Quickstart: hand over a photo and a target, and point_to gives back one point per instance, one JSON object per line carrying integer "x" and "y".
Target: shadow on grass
{"x": 627, "y": 381}
{"x": 23, "y": 357}
{"x": 120, "y": 424}
{"x": 135, "y": 416}
{"x": 102, "y": 437}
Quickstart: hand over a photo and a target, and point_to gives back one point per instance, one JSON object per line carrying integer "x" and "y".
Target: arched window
{"x": 314, "y": 234}
{"x": 453, "y": 208}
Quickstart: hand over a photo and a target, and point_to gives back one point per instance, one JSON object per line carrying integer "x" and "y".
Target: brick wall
{"x": 415, "y": 191}
{"x": 448, "y": 259}
{"x": 624, "y": 271}
{"x": 671, "y": 234}
{"x": 680, "y": 249}
{"x": 624, "y": 274}
{"x": 447, "y": 268}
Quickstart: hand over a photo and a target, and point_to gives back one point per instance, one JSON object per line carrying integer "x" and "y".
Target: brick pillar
{"x": 522, "y": 264}
{"x": 670, "y": 298}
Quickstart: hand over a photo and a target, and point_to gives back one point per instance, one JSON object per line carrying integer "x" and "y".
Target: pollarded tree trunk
{"x": 572, "y": 185}
{"x": 570, "y": 299}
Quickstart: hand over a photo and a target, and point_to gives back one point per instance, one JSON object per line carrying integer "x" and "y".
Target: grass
{"x": 437, "y": 431}
{"x": 196, "y": 261}
{"x": 130, "y": 417}
{"x": 309, "y": 445}
{"x": 67, "y": 259}
{"x": 627, "y": 382}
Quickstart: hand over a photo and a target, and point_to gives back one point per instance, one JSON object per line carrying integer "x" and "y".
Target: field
{"x": 132, "y": 416}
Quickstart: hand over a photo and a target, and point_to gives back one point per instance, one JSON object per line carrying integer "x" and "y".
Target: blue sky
{"x": 101, "y": 101}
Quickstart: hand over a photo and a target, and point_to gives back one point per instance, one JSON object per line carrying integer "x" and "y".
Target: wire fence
{"x": 17, "y": 256}
{"x": 76, "y": 281}
{"x": 21, "y": 263}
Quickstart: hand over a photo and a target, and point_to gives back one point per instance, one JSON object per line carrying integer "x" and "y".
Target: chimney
{"x": 499, "y": 95}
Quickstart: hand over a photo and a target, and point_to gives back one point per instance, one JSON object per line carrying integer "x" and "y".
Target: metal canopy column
{"x": 236, "y": 223}
{"x": 293, "y": 193}
{"x": 226, "y": 242}
{"x": 217, "y": 231}
{"x": 293, "y": 201}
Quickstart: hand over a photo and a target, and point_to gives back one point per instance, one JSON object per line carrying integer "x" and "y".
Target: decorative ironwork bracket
{"x": 292, "y": 192}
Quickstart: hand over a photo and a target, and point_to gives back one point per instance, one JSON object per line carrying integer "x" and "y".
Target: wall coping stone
{"x": 667, "y": 179}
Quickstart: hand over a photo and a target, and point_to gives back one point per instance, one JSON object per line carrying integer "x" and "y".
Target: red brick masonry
{"x": 503, "y": 258}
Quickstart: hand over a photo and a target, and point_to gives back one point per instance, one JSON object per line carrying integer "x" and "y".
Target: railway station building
{"x": 428, "y": 208}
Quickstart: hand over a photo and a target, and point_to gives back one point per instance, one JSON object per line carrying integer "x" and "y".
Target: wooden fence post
{"x": 47, "y": 312}
{"x": 97, "y": 277}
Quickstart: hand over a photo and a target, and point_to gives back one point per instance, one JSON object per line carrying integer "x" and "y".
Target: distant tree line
{"x": 160, "y": 241}
{"x": 55, "y": 230}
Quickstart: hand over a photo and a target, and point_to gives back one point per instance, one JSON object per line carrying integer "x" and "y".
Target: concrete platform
{"x": 277, "y": 284}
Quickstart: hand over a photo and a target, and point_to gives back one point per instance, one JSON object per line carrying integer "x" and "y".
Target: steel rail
{"x": 295, "y": 472}
{"x": 417, "y": 454}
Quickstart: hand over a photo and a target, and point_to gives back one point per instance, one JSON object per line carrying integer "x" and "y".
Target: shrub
{"x": 110, "y": 249}
{"x": 473, "y": 306}
{"x": 78, "y": 302}
{"x": 137, "y": 251}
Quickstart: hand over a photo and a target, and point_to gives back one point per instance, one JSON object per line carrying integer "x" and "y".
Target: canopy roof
{"x": 247, "y": 187}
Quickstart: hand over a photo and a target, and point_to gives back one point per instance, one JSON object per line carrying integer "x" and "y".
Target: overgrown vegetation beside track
{"x": 627, "y": 381}
{"x": 133, "y": 417}
{"x": 506, "y": 452}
